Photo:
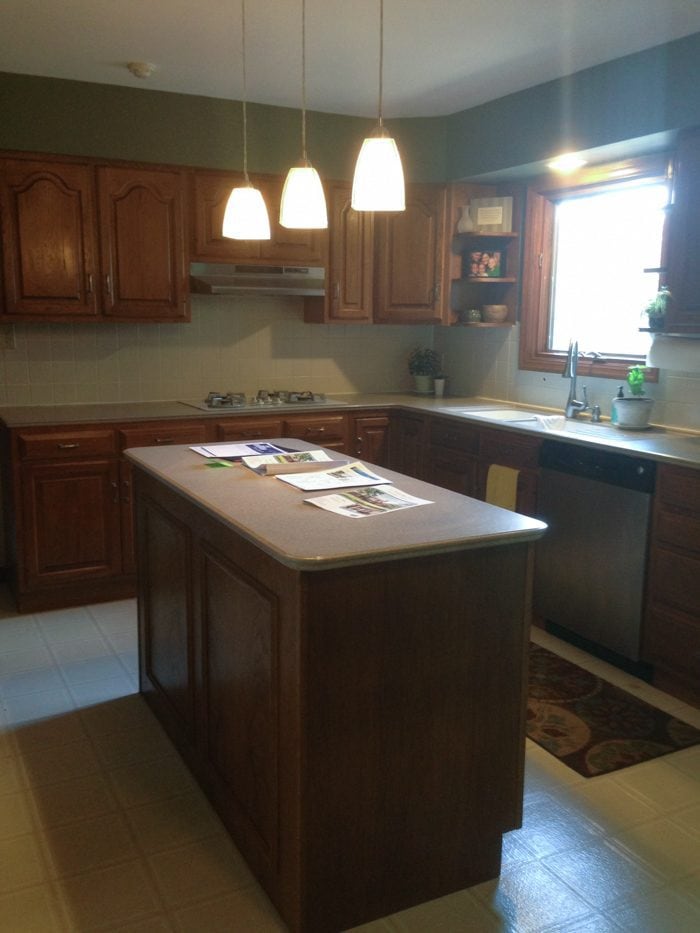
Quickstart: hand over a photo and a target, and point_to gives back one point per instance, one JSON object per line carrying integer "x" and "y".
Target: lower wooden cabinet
{"x": 672, "y": 622}
{"x": 452, "y": 456}
{"x": 369, "y": 437}
{"x": 506, "y": 448}
{"x": 325, "y": 430}
{"x": 408, "y": 444}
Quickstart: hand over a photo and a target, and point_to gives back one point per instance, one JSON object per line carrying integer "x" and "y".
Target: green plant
{"x": 657, "y": 307}
{"x": 424, "y": 361}
{"x": 635, "y": 379}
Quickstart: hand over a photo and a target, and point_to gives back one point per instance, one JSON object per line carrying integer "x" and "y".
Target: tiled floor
{"x": 102, "y": 827}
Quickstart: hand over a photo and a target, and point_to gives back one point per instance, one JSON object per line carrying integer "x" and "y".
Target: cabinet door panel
{"x": 410, "y": 259}
{"x": 143, "y": 244}
{"x": 683, "y": 271}
{"x": 245, "y": 429}
{"x": 329, "y": 431}
{"x": 350, "y": 259}
{"x": 48, "y": 239}
{"x": 70, "y": 521}
{"x": 371, "y": 438}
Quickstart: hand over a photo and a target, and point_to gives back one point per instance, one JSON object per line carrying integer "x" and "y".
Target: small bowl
{"x": 495, "y": 314}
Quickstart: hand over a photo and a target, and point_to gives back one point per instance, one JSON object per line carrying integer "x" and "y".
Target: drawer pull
{"x": 127, "y": 491}
{"x": 67, "y": 446}
{"x": 115, "y": 492}
{"x": 315, "y": 430}
{"x": 163, "y": 440}
{"x": 251, "y": 433}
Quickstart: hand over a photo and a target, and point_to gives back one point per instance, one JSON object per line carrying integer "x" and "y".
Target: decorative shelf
{"x": 473, "y": 235}
{"x": 486, "y": 280}
{"x": 482, "y": 324}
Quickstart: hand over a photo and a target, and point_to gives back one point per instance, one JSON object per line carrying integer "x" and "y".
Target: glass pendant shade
{"x": 245, "y": 217}
{"x": 378, "y": 183}
{"x": 303, "y": 205}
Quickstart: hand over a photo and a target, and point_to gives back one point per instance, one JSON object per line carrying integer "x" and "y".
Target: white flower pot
{"x": 423, "y": 385}
{"x": 632, "y": 413}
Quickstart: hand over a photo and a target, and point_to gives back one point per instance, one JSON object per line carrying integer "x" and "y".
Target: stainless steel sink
{"x": 498, "y": 414}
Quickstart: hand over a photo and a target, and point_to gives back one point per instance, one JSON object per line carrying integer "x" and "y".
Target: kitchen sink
{"x": 498, "y": 414}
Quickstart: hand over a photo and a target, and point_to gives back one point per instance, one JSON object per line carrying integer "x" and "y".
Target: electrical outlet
{"x": 7, "y": 337}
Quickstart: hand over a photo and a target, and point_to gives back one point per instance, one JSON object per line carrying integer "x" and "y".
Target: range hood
{"x": 208, "y": 278}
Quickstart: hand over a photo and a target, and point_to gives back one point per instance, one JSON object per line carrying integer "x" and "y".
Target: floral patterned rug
{"x": 592, "y": 726}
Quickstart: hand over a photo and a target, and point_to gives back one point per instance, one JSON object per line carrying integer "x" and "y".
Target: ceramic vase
{"x": 632, "y": 413}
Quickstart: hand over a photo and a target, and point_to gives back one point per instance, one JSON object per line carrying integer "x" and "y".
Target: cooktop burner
{"x": 264, "y": 398}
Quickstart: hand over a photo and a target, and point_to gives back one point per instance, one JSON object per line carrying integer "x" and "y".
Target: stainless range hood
{"x": 224, "y": 279}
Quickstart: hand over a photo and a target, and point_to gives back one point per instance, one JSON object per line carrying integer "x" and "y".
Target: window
{"x": 585, "y": 251}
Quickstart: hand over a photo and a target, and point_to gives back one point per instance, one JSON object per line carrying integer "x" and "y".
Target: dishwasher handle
{"x": 602, "y": 465}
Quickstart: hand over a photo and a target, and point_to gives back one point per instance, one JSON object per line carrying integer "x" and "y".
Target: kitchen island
{"x": 349, "y": 692}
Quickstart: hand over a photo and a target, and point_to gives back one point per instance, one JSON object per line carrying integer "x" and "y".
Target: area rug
{"x": 591, "y": 725}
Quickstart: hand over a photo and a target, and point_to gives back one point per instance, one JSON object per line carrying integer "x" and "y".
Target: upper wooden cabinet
{"x": 683, "y": 239}
{"x": 49, "y": 240}
{"x": 350, "y": 258}
{"x": 85, "y": 242}
{"x": 143, "y": 251}
{"x": 409, "y": 259}
{"x": 209, "y": 194}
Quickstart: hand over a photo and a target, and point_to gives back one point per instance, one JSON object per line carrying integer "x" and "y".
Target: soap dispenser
{"x": 613, "y": 410}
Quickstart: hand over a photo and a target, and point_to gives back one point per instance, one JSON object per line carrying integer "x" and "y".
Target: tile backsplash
{"x": 231, "y": 344}
{"x": 244, "y": 344}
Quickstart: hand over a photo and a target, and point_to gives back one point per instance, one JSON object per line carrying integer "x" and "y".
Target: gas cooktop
{"x": 264, "y": 398}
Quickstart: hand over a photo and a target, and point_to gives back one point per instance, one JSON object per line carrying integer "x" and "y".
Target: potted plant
{"x": 657, "y": 308}
{"x": 632, "y": 412}
{"x": 424, "y": 364}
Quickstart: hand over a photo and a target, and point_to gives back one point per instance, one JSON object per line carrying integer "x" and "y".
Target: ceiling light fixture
{"x": 303, "y": 204}
{"x": 566, "y": 163}
{"x": 245, "y": 217}
{"x": 378, "y": 184}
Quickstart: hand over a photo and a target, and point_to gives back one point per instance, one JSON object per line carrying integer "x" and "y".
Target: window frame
{"x": 538, "y": 256}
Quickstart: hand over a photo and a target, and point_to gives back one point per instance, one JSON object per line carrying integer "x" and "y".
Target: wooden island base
{"x": 360, "y": 730}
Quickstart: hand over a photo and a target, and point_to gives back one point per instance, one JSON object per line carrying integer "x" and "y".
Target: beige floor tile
{"x": 11, "y": 776}
{"x": 36, "y": 707}
{"x": 96, "y": 843}
{"x": 147, "y": 742}
{"x": 71, "y": 801}
{"x": 32, "y": 910}
{"x": 15, "y": 815}
{"x": 202, "y": 871}
{"x": 594, "y": 923}
{"x": 689, "y": 820}
{"x": 671, "y": 850}
{"x": 87, "y": 670}
{"x": 55, "y": 763}
{"x": 21, "y": 863}
{"x": 662, "y": 911}
{"x": 609, "y": 805}
{"x": 174, "y": 822}
{"x": 252, "y": 910}
{"x": 41, "y": 680}
{"x": 29, "y": 659}
{"x": 82, "y": 649}
{"x": 102, "y": 691}
{"x": 128, "y": 712}
{"x": 62, "y": 625}
{"x": 123, "y": 610}
{"x": 148, "y": 781}
{"x": 687, "y": 761}
{"x": 49, "y": 733}
{"x": 602, "y": 873}
{"x": 121, "y": 895}
{"x": 460, "y": 911}
{"x": 159, "y": 923}
{"x": 689, "y": 887}
{"x": 20, "y": 633}
{"x": 549, "y": 827}
{"x": 660, "y": 784}
{"x": 530, "y": 899}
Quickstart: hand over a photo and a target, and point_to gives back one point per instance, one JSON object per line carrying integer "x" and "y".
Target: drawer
{"x": 672, "y": 640}
{"x": 66, "y": 445}
{"x": 318, "y": 430}
{"x": 679, "y": 487}
{"x": 245, "y": 429}
{"x": 160, "y": 435}
{"x": 509, "y": 449}
{"x": 678, "y": 530}
{"x": 674, "y": 581}
{"x": 455, "y": 436}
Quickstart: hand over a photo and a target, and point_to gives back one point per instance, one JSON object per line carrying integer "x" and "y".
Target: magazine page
{"x": 236, "y": 451}
{"x": 349, "y": 474}
{"x": 363, "y": 502}
{"x": 299, "y": 461}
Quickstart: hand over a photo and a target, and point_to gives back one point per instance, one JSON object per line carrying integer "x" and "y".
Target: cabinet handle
{"x": 163, "y": 440}
{"x": 115, "y": 492}
{"x": 127, "y": 491}
{"x": 315, "y": 430}
{"x": 89, "y": 284}
{"x": 67, "y": 446}
{"x": 436, "y": 293}
{"x": 251, "y": 433}
{"x": 109, "y": 287}
{"x": 336, "y": 291}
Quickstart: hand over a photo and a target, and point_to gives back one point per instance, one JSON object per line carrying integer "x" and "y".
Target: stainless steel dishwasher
{"x": 590, "y": 565}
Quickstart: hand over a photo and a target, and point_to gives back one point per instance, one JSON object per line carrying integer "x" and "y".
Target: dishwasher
{"x": 590, "y": 565}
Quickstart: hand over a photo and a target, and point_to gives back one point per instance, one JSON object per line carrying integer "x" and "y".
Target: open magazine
{"x": 359, "y": 503}
{"x": 348, "y": 474}
{"x": 237, "y": 451}
{"x": 300, "y": 461}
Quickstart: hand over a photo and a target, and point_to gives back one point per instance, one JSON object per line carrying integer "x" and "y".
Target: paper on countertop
{"x": 374, "y": 500}
{"x": 236, "y": 451}
{"x": 551, "y": 422}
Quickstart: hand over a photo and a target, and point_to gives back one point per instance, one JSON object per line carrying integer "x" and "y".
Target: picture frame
{"x": 485, "y": 264}
{"x": 492, "y": 215}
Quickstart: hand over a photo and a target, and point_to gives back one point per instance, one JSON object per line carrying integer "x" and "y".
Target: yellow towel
{"x": 502, "y": 486}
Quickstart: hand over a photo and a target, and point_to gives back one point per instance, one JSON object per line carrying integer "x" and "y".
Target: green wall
{"x": 652, "y": 92}
{"x": 77, "y": 118}
{"x": 640, "y": 95}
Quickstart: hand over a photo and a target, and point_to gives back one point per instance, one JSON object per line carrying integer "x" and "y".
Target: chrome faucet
{"x": 573, "y": 405}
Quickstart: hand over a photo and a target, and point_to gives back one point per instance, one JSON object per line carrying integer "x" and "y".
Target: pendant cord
{"x": 381, "y": 59}
{"x": 245, "y": 99}
{"x": 303, "y": 81}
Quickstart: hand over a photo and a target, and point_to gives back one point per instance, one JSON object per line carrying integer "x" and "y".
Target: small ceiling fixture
{"x": 303, "y": 204}
{"x": 141, "y": 69}
{"x": 566, "y": 163}
{"x": 245, "y": 217}
{"x": 378, "y": 184}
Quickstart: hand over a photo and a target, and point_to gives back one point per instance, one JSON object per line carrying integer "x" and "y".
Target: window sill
{"x": 609, "y": 368}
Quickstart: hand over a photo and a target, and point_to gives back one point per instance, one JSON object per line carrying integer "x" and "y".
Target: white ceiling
{"x": 441, "y": 56}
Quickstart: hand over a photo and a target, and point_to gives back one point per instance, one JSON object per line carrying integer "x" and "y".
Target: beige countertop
{"x": 273, "y": 515}
{"x": 657, "y": 443}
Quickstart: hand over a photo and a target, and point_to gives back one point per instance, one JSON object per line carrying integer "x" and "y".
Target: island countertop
{"x": 274, "y": 516}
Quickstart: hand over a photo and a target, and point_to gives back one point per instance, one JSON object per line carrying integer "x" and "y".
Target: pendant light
{"x": 378, "y": 184}
{"x": 303, "y": 204}
{"x": 245, "y": 217}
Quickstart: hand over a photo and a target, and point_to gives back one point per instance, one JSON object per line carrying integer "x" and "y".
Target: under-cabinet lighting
{"x": 567, "y": 162}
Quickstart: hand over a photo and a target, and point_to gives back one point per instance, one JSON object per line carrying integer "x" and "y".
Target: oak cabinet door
{"x": 350, "y": 267}
{"x": 142, "y": 231}
{"x": 683, "y": 246}
{"x": 370, "y": 439}
{"x": 70, "y": 521}
{"x": 409, "y": 259}
{"x": 48, "y": 240}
